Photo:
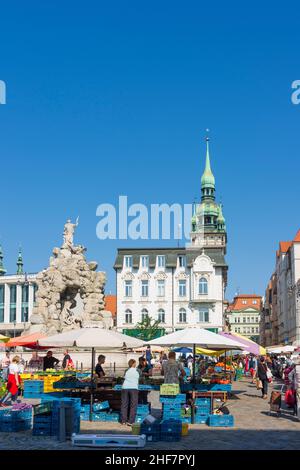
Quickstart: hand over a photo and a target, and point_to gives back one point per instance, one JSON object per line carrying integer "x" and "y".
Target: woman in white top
{"x": 130, "y": 394}
{"x": 13, "y": 381}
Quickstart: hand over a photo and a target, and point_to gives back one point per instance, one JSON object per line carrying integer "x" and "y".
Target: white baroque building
{"x": 17, "y": 296}
{"x": 178, "y": 286}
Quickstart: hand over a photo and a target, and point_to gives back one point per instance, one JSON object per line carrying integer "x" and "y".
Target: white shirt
{"x": 13, "y": 368}
{"x": 131, "y": 381}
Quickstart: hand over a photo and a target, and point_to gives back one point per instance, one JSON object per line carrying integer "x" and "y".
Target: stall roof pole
{"x": 92, "y": 382}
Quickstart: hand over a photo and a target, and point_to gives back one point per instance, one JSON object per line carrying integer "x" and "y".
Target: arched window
{"x": 145, "y": 314}
{"x": 128, "y": 316}
{"x": 203, "y": 289}
{"x": 161, "y": 316}
{"x": 182, "y": 315}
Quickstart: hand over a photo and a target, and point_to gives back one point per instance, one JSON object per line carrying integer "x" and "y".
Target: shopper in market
{"x": 35, "y": 361}
{"x": 67, "y": 362}
{"x": 143, "y": 368}
{"x": 5, "y": 365}
{"x": 262, "y": 375}
{"x": 13, "y": 382}
{"x": 130, "y": 394}
{"x": 294, "y": 378}
{"x": 172, "y": 370}
{"x": 99, "y": 369}
{"x": 253, "y": 367}
{"x": 49, "y": 361}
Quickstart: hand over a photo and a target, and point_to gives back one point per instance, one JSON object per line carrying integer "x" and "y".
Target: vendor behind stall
{"x": 172, "y": 370}
{"x": 49, "y": 361}
{"x": 99, "y": 369}
{"x": 143, "y": 368}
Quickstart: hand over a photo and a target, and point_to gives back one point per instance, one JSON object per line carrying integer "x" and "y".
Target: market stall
{"x": 94, "y": 339}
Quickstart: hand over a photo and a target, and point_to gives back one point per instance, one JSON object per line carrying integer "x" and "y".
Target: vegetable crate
{"x": 169, "y": 389}
{"x": 167, "y": 400}
{"x": 151, "y": 431}
{"x": 221, "y": 420}
{"x": 203, "y": 402}
{"x": 15, "y": 420}
{"x": 33, "y": 388}
{"x": 171, "y": 430}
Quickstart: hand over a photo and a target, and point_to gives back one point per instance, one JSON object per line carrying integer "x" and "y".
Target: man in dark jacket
{"x": 262, "y": 375}
{"x": 49, "y": 361}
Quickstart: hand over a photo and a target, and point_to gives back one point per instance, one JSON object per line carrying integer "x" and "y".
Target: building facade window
{"x": 181, "y": 261}
{"x": 161, "y": 261}
{"x": 128, "y": 288}
{"x": 25, "y": 300}
{"x": 203, "y": 287}
{"x": 128, "y": 261}
{"x": 182, "y": 288}
{"x": 35, "y": 288}
{"x": 145, "y": 261}
{"x": 128, "y": 316}
{"x": 160, "y": 288}
{"x": 13, "y": 303}
{"x": 145, "y": 314}
{"x": 2, "y": 302}
{"x": 254, "y": 302}
{"x": 244, "y": 319}
{"x": 244, "y": 302}
{"x": 203, "y": 315}
{"x": 161, "y": 316}
{"x": 145, "y": 289}
{"x": 182, "y": 315}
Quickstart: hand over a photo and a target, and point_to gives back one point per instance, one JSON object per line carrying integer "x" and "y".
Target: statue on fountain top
{"x": 69, "y": 230}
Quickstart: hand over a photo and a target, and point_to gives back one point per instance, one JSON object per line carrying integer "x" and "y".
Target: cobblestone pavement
{"x": 254, "y": 428}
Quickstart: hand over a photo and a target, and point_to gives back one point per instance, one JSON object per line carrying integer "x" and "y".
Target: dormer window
{"x": 128, "y": 261}
{"x": 181, "y": 261}
{"x": 161, "y": 261}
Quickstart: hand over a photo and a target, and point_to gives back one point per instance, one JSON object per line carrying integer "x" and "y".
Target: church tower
{"x": 208, "y": 223}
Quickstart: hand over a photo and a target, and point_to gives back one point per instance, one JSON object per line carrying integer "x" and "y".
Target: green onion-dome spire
{"x": 2, "y": 268}
{"x": 208, "y": 179}
{"x": 20, "y": 262}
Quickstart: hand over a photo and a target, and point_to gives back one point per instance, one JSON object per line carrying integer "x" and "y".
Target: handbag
{"x": 289, "y": 398}
{"x": 269, "y": 375}
{"x": 259, "y": 384}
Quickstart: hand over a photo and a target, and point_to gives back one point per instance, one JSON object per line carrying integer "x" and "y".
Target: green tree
{"x": 148, "y": 328}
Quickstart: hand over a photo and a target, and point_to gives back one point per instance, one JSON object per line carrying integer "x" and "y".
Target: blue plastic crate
{"x": 221, "y": 387}
{"x": 42, "y": 419}
{"x": 221, "y": 420}
{"x": 171, "y": 425}
{"x": 101, "y": 406}
{"x": 201, "y": 419}
{"x": 202, "y": 410}
{"x": 178, "y": 399}
{"x": 143, "y": 408}
{"x": 98, "y": 416}
{"x": 203, "y": 402}
{"x": 170, "y": 437}
{"x": 113, "y": 417}
{"x": 173, "y": 406}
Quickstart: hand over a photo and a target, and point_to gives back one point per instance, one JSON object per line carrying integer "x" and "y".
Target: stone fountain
{"x": 70, "y": 292}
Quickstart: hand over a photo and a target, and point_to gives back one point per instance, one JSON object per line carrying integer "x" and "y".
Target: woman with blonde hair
{"x": 13, "y": 381}
{"x": 130, "y": 394}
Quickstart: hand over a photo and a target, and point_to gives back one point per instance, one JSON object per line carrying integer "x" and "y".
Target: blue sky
{"x": 110, "y": 98}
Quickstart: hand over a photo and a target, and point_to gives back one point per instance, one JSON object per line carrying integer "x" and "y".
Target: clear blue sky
{"x": 109, "y": 98}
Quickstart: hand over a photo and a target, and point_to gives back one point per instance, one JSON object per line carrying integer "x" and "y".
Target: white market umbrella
{"x": 95, "y": 338}
{"x": 194, "y": 336}
{"x": 91, "y": 338}
{"x": 281, "y": 349}
{"x": 199, "y": 337}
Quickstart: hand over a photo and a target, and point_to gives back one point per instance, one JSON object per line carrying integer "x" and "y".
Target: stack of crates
{"x": 33, "y": 388}
{"x": 42, "y": 425}
{"x": 85, "y": 412}
{"x": 202, "y": 410}
{"x": 172, "y": 406}
{"x": 142, "y": 412}
{"x": 151, "y": 431}
{"x": 171, "y": 430}
{"x": 74, "y": 427}
{"x": 172, "y": 411}
{"x": 15, "y": 420}
{"x": 49, "y": 380}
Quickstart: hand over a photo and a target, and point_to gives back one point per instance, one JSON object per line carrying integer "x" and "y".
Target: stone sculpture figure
{"x": 69, "y": 276}
{"x": 69, "y": 230}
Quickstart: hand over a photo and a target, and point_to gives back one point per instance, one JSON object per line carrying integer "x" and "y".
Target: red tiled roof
{"x": 238, "y": 304}
{"x": 284, "y": 246}
{"x": 297, "y": 237}
{"x": 111, "y": 304}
